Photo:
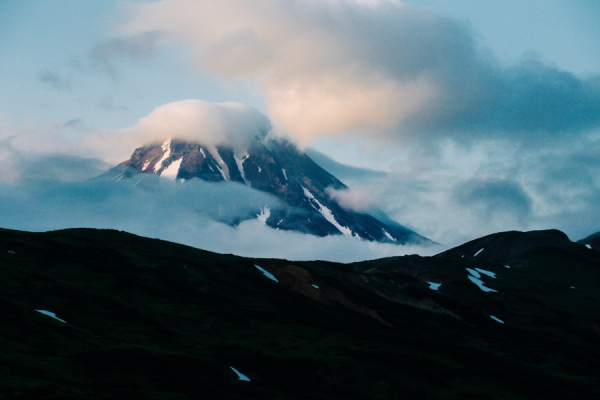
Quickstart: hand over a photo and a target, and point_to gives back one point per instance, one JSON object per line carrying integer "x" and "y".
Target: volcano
{"x": 275, "y": 166}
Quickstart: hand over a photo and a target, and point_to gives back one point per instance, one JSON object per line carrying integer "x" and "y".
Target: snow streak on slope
{"x": 166, "y": 147}
{"x": 388, "y": 235}
{"x": 51, "y": 314}
{"x": 240, "y": 164}
{"x": 326, "y": 212}
{"x": 241, "y": 377}
{"x": 171, "y": 171}
{"x": 473, "y": 272}
{"x": 480, "y": 284}
{"x": 485, "y": 272}
{"x": 475, "y": 278}
{"x": 223, "y": 169}
{"x": 267, "y": 274}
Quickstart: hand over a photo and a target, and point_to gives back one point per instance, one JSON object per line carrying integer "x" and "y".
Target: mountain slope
{"x": 149, "y": 319}
{"x": 592, "y": 241}
{"x": 274, "y": 166}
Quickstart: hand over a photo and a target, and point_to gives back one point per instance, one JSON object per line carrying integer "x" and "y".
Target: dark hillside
{"x": 149, "y": 319}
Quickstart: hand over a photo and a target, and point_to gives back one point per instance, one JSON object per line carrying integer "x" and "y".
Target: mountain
{"x": 274, "y": 166}
{"x": 592, "y": 241}
{"x": 509, "y": 245}
{"x": 101, "y": 314}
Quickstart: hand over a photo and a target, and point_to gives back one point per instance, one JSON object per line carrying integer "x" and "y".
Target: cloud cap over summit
{"x": 233, "y": 124}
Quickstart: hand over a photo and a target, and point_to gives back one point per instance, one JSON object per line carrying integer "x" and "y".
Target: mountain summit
{"x": 275, "y": 166}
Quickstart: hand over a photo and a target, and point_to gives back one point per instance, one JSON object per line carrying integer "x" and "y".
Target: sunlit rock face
{"x": 274, "y": 166}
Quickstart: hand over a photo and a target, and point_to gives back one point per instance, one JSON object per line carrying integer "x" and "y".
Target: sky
{"x": 460, "y": 118}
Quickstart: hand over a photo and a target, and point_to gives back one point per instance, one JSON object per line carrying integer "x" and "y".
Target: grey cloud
{"x": 107, "y": 103}
{"x": 64, "y": 167}
{"x": 103, "y": 58}
{"x": 342, "y": 171}
{"x": 54, "y": 80}
{"x": 493, "y": 198}
{"x": 72, "y": 123}
{"x": 539, "y": 97}
{"x": 579, "y": 221}
{"x": 532, "y": 103}
{"x": 135, "y": 48}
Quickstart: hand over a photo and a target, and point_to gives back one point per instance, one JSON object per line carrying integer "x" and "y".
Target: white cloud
{"x": 187, "y": 214}
{"x": 233, "y": 124}
{"x": 317, "y": 61}
{"x": 354, "y": 198}
{"x": 380, "y": 69}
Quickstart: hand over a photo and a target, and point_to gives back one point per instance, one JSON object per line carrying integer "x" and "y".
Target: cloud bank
{"x": 376, "y": 66}
{"x": 196, "y": 213}
{"x": 459, "y": 193}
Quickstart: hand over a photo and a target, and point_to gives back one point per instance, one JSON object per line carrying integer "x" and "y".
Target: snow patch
{"x": 480, "y": 250}
{"x": 589, "y": 246}
{"x": 506, "y": 266}
{"x": 241, "y": 377}
{"x": 50, "y": 314}
{"x": 11, "y": 252}
{"x": 481, "y": 285}
{"x": 326, "y": 212}
{"x": 166, "y": 148}
{"x": 496, "y": 319}
{"x": 474, "y": 273}
{"x": 315, "y": 286}
{"x": 388, "y": 235}
{"x": 223, "y": 168}
{"x": 573, "y": 287}
{"x": 240, "y": 164}
{"x": 267, "y": 274}
{"x": 146, "y": 164}
{"x": 284, "y": 174}
{"x": 171, "y": 171}
{"x": 264, "y": 215}
{"x": 488, "y": 273}
{"x": 434, "y": 286}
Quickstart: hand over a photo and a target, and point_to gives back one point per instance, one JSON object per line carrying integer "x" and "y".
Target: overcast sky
{"x": 484, "y": 116}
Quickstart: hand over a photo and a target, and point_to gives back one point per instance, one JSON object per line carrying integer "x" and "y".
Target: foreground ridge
{"x": 131, "y": 317}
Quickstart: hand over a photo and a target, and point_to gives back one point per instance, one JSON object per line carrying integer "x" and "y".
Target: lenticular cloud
{"x": 233, "y": 124}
